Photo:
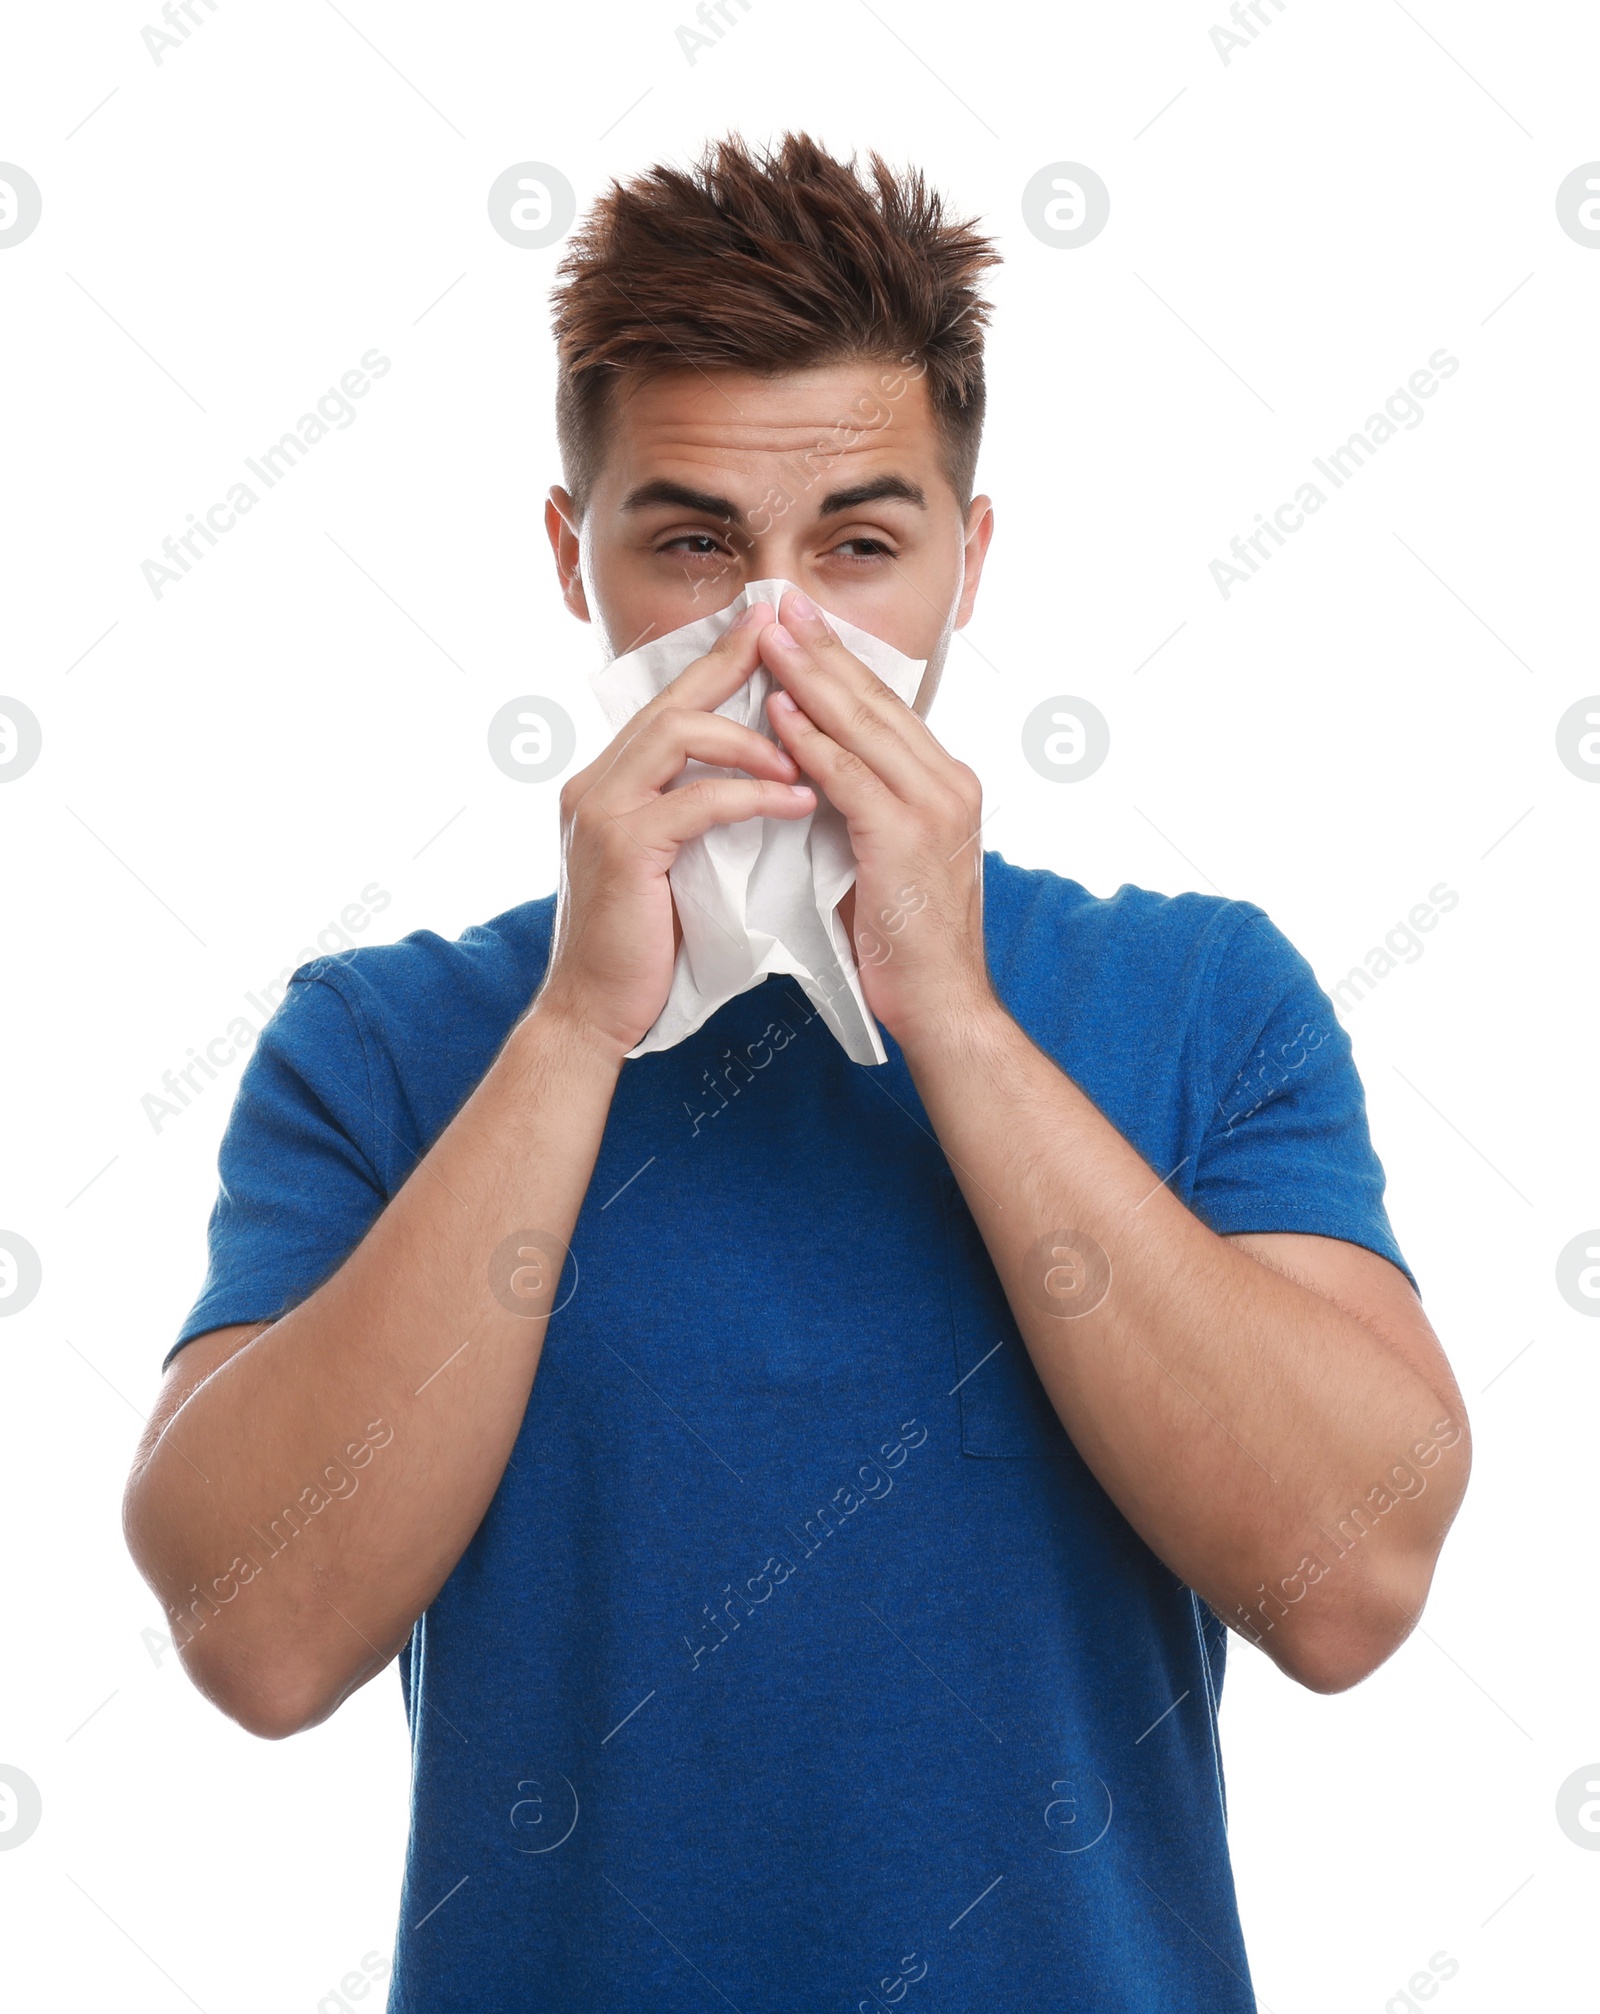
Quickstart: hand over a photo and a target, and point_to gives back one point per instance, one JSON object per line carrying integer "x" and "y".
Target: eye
{"x": 684, "y": 540}
{"x": 880, "y": 550}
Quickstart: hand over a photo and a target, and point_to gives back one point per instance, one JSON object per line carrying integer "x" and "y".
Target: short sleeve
{"x": 298, "y": 1181}
{"x": 1286, "y": 1146}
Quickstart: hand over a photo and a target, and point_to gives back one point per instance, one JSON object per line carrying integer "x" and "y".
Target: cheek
{"x": 634, "y": 597}
{"x": 908, "y": 595}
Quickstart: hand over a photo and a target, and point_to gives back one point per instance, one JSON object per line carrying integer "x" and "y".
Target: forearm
{"x": 406, "y": 1353}
{"x": 1233, "y": 1415}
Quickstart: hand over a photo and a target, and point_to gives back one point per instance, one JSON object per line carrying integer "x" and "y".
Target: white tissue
{"x": 760, "y": 897}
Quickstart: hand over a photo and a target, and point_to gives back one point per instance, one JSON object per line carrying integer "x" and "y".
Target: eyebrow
{"x": 891, "y": 488}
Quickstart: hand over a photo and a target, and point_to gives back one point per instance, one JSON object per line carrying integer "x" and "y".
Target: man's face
{"x": 829, "y": 477}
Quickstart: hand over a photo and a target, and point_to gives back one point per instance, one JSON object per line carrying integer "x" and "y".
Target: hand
{"x": 617, "y": 932}
{"x": 913, "y": 814}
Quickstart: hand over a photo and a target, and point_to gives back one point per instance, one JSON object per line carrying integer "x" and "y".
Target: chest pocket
{"x": 1005, "y": 1411}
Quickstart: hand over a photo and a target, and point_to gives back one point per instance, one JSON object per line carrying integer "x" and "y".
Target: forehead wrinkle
{"x": 819, "y": 409}
{"x": 764, "y": 437}
{"x": 714, "y": 452}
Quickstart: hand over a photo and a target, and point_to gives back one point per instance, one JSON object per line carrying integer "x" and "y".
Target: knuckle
{"x": 589, "y": 825}
{"x": 952, "y": 807}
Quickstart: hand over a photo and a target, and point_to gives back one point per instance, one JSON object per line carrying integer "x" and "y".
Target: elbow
{"x": 268, "y": 1662}
{"x": 270, "y": 1704}
{"x": 274, "y": 1697}
{"x": 1336, "y": 1661}
{"x": 1367, "y": 1610}
{"x": 268, "y": 1720}
{"x": 1345, "y": 1639}
{"x": 271, "y": 1697}
{"x": 275, "y": 1720}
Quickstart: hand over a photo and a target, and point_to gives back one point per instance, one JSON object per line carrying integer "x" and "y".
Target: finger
{"x": 849, "y": 781}
{"x": 655, "y": 753}
{"x": 701, "y": 686}
{"x": 726, "y": 666}
{"x": 677, "y": 816}
{"x": 852, "y": 704}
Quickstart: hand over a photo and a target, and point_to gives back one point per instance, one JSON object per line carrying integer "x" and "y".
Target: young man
{"x": 805, "y": 1498}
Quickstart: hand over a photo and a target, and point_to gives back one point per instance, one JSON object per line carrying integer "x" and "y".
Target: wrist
{"x": 573, "y": 1039}
{"x": 964, "y": 1031}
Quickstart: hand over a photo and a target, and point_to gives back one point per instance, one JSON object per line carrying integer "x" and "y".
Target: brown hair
{"x": 769, "y": 264}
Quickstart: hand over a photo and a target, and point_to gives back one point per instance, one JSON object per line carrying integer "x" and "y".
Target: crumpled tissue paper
{"x": 761, "y": 897}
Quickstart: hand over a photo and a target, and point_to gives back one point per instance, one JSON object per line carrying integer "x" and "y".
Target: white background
{"x": 1292, "y": 234}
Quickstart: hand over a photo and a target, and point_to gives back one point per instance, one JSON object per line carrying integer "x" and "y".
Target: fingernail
{"x": 801, "y": 789}
{"x": 781, "y": 635}
{"x": 782, "y": 702}
{"x": 801, "y": 606}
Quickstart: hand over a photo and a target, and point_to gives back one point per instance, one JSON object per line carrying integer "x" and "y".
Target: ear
{"x": 561, "y": 525}
{"x": 980, "y": 529}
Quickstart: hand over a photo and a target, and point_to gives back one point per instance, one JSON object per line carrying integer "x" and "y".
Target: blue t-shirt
{"x": 799, "y": 1661}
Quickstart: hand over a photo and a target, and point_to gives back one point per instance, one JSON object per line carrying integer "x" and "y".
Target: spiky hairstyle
{"x": 768, "y": 262}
